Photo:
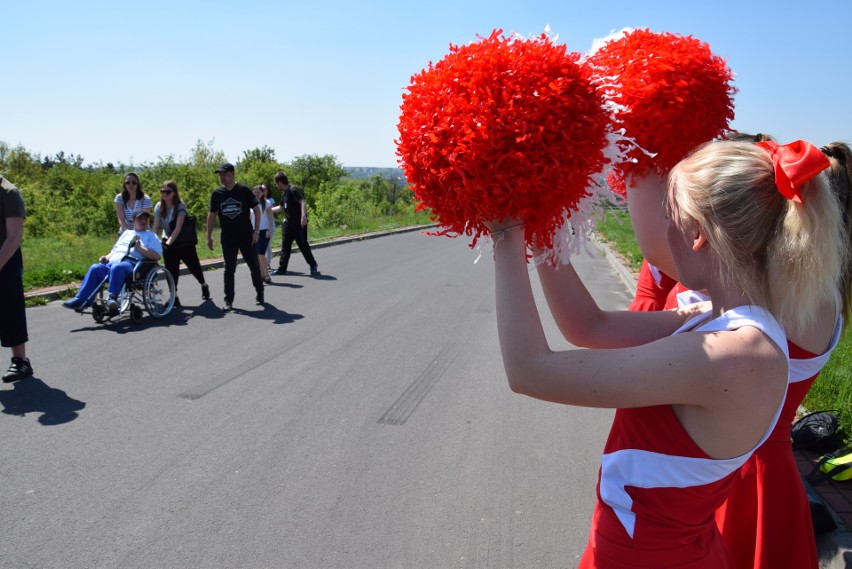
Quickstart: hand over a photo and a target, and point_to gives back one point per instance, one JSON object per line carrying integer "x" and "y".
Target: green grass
{"x": 65, "y": 259}
{"x": 617, "y": 230}
{"x": 833, "y": 388}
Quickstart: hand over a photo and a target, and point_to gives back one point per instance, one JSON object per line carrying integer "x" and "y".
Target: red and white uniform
{"x": 658, "y": 491}
{"x": 766, "y": 519}
{"x": 652, "y": 289}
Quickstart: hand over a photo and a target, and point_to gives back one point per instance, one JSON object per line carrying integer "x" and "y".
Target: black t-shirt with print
{"x": 234, "y": 210}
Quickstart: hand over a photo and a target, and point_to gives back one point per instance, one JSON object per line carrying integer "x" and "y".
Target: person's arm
{"x": 211, "y": 218}
{"x": 271, "y": 219}
{"x": 14, "y": 234}
{"x": 276, "y": 209}
{"x": 152, "y": 250}
{"x": 181, "y": 217}
{"x": 119, "y": 213}
{"x": 155, "y": 227}
{"x": 256, "y": 232}
{"x": 583, "y": 323}
{"x": 704, "y": 370}
{"x": 303, "y": 204}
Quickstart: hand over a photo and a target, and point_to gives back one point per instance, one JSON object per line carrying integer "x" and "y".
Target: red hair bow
{"x": 795, "y": 164}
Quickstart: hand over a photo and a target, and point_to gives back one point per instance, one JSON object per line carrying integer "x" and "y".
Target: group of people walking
{"x": 246, "y": 221}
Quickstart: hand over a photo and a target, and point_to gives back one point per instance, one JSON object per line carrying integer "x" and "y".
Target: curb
{"x": 623, "y": 272}
{"x": 54, "y": 292}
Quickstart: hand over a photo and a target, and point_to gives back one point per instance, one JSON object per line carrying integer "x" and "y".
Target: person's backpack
{"x": 817, "y": 432}
{"x": 837, "y": 465}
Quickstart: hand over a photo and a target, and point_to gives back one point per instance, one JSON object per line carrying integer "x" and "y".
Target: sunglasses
{"x": 131, "y": 182}
{"x": 166, "y": 192}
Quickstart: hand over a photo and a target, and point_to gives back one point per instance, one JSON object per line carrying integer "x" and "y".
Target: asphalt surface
{"x": 359, "y": 419}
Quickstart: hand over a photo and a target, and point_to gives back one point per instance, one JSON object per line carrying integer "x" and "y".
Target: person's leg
{"x": 286, "y": 244}
{"x": 268, "y": 252}
{"x": 305, "y": 248}
{"x": 249, "y": 254}
{"x": 92, "y": 281}
{"x": 261, "y": 246}
{"x": 118, "y": 273}
{"x": 171, "y": 259}
{"x": 189, "y": 256}
{"x": 13, "y": 325}
{"x": 229, "y": 256}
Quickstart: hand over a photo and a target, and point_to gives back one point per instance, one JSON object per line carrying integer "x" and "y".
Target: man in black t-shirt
{"x": 233, "y": 203}
{"x": 295, "y": 226}
{"x": 13, "y": 316}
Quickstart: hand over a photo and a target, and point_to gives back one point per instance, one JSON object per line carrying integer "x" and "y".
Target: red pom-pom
{"x": 502, "y": 127}
{"x": 670, "y": 94}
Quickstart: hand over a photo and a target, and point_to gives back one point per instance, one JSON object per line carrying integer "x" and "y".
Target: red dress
{"x": 657, "y": 490}
{"x": 652, "y": 288}
{"x": 766, "y": 519}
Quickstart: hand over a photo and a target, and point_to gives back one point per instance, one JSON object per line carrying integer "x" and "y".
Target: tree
{"x": 262, "y": 154}
{"x": 311, "y": 171}
{"x": 258, "y": 166}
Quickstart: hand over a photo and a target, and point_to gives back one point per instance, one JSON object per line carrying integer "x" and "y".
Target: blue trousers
{"x": 95, "y": 276}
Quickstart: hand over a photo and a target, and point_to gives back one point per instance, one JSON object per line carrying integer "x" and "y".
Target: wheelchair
{"x": 150, "y": 285}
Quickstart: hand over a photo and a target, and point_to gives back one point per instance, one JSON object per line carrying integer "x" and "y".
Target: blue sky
{"x": 134, "y": 81}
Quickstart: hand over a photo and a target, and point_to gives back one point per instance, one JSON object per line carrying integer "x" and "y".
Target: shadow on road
{"x": 269, "y": 312}
{"x": 32, "y": 395}
{"x": 317, "y": 277}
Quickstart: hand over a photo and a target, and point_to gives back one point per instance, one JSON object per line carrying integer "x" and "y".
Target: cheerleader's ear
{"x": 699, "y": 238}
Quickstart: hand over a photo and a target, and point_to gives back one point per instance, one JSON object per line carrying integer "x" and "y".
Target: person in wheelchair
{"x": 138, "y": 244}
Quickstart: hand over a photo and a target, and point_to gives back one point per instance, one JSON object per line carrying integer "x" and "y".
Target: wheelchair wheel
{"x": 158, "y": 292}
{"x": 98, "y": 311}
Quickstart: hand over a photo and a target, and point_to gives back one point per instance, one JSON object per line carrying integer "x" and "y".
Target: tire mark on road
{"x": 401, "y": 409}
{"x": 239, "y": 370}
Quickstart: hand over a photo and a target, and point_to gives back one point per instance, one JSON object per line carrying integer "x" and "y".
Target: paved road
{"x": 359, "y": 420}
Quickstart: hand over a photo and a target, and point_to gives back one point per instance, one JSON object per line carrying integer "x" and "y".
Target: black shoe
{"x": 177, "y": 303}
{"x": 229, "y": 306}
{"x": 259, "y": 299}
{"x": 205, "y": 292}
{"x": 280, "y": 272}
{"x": 112, "y": 306}
{"x": 18, "y": 369}
{"x": 314, "y": 270}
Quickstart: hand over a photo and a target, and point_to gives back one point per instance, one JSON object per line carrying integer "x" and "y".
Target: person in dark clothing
{"x": 171, "y": 213}
{"x": 295, "y": 226}
{"x": 232, "y": 203}
{"x": 13, "y": 324}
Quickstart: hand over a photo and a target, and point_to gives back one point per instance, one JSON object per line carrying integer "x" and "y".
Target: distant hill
{"x": 363, "y": 172}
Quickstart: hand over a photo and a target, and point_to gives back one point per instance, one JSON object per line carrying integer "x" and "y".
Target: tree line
{"x": 64, "y": 196}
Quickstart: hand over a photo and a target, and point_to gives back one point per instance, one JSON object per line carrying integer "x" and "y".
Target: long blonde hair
{"x": 786, "y": 256}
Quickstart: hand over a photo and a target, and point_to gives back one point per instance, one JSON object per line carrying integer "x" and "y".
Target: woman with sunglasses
{"x": 130, "y": 200}
{"x": 170, "y": 208}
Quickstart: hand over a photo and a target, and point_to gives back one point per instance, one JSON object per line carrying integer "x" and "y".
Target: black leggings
{"x": 172, "y": 256}
{"x": 13, "y": 324}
